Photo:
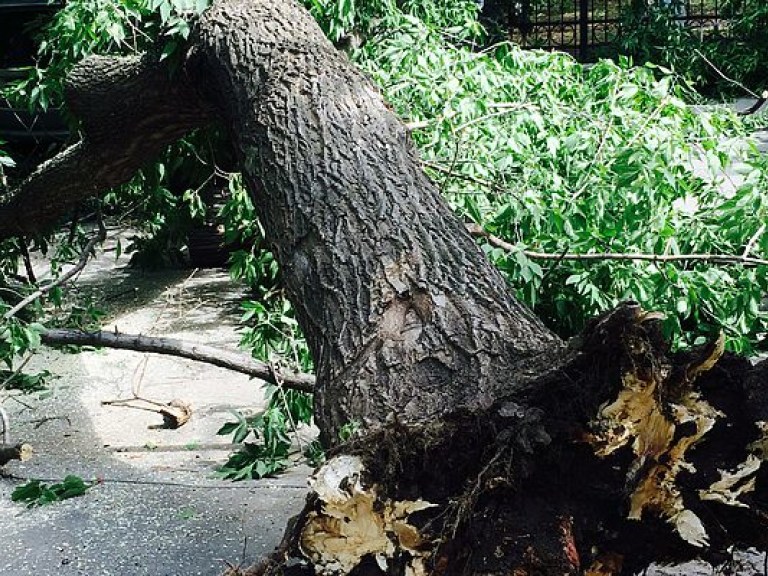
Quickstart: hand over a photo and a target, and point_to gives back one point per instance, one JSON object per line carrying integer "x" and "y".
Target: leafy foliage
{"x": 5, "y": 162}
{"x": 269, "y": 453}
{"x": 26, "y": 383}
{"x": 342, "y": 19}
{"x": 554, "y": 157}
{"x": 36, "y": 493}
{"x": 739, "y": 50}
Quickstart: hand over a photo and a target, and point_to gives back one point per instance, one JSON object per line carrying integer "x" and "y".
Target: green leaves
{"x": 713, "y": 61}
{"x": 17, "y": 338}
{"x": 36, "y": 493}
{"x": 554, "y": 157}
{"x": 85, "y": 27}
{"x": 267, "y": 456}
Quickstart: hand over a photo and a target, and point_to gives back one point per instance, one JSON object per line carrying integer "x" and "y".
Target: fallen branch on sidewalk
{"x": 172, "y": 347}
{"x": 175, "y": 413}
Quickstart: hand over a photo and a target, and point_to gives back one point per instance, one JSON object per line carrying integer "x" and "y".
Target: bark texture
{"x": 489, "y": 446}
{"x": 404, "y": 316}
{"x": 129, "y": 110}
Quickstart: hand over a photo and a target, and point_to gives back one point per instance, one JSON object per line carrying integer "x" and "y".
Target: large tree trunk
{"x": 404, "y": 315}
{"x": 488, "y": 446}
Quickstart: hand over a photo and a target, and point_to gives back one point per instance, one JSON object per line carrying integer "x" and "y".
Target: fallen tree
{"x": 488, "y": 445}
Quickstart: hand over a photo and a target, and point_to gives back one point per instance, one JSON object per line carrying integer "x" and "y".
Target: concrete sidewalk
{"x": 159, "y": 511}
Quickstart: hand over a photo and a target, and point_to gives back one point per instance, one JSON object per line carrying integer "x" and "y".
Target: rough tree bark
{"x": 488, "y": 445}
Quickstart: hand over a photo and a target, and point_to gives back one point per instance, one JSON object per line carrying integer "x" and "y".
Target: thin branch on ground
{"x": 38, "y": 422}
{"x": 98, "y": 238}
{"x": 172, "y": 347}
{"x": 722, "y": 259}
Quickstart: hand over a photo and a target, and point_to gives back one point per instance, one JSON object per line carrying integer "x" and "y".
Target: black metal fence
{"x": 581, "y": 27}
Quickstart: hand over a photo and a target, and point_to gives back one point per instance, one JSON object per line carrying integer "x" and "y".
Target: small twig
{"x": 480, "y": 119}
{"x": 646, "y": 122}
{"x": 73, "y": 226}
{"x": 452, "y": 168}
{"x": 554, "y": 266}
{"x": 279, "y": 379}
{"x": 127, "y": 402}
{"x": 61, "y": 279}
{"x": 752, "y": 241}
{"x": 40, "y": 421}
{"x": 480, "y": 182}
{"x": 502, "y": 107}
{"x": 16, "y": 371}
{"x": 724, "y": 77}
{"x": 126, "y": 405}
{"x": 492, "y": 186}
{"x": 15, "y": 399}
{"x": 138, "y": 376}
{"x": 141, "y": 368}
{"x": 724, "y": 259}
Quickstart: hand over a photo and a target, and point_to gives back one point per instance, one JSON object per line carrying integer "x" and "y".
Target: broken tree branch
{"x": 17, "y": 452}
{"x": 136, "y": 98}
{"x": 99, "y": 237}
{"x": 175, "y": 413}
{"x": 174, "y": 347}
{"x": 8, "y": 451}
{"x": 760, "y": 98}
{"x": 723, "y": 259}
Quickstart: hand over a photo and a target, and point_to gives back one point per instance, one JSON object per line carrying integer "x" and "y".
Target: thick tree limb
{"x": 130, "y": 109}
{"x": 724, "y": 259}
{"x": 173, "y": 347}
{"x": 8, "y": 451}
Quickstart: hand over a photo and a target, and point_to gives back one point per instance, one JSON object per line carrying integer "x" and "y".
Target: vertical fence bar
{"x": 717, "y": 16}
{"x": 583, "y": 28}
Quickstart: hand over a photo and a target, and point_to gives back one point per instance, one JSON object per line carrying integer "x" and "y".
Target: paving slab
{"x": 158, "y": 510}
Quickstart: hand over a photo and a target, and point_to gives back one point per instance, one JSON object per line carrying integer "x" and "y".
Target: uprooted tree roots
{"x": 631, "y": 454}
